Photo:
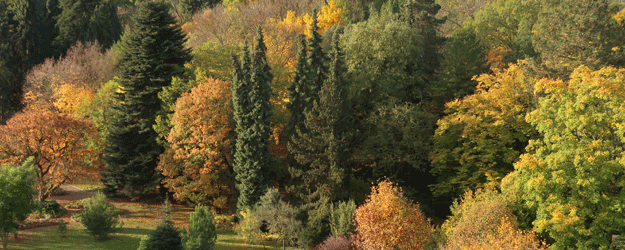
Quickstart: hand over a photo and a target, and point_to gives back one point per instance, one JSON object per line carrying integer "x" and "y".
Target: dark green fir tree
{"x": 323, "y": 150}
{"x": 317, "y": 68}
{"x": 252, "y": 112}
{"x": 154, "y": 53}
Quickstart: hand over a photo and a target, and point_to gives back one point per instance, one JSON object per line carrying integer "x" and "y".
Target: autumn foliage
{"x": 388, "y": 220}
{"x": 59, "y": 144}
{"x": 482, "y": 220}
{"x": 196, "y": 167}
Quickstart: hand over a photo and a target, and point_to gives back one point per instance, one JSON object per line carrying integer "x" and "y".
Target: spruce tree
{"x": 317, "y": 68}
{"x": 324, "y": 149}
{"x": 252, "y": 111}
{"x": 154, "y": 53}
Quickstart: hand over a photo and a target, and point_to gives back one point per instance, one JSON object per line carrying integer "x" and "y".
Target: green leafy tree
{"x": 15, "y": 198}
{"x": 570, "y": 33}
{"x": 202, "y": 233}
{"x": 279, "y": 216}
{"x": 505, "y": 28}
{"x": 571, "y": 178}
{"x": 252, "y": 112}
{"x": 154, "y": 53}
{"x": 483, "y": 134}
{"x": 342, "y": 218}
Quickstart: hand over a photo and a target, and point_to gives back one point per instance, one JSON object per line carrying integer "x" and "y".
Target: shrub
{"x": 62, "y": 228}
{"x": 48, "y": 208}
{"x": 388, "y": 220}
{"x": 165, "y": 237}
{"x": 99, "y": 217}
{"x": 202, "y": 233}
{"x": 341, "y": 219}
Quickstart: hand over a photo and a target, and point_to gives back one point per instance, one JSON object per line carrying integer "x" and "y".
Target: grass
{"x": 138, "y": 220}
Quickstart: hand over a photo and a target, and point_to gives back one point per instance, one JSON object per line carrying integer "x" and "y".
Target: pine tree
{"x": 296, "y": 92}
{"x": 86, "y": 20}
{"x": 252, "y": 112}
{"x": 154, "y": 53}
{"x": 317, "y": 68}
{"x": 166, "y": 236}
{"x": 323, "y": 150}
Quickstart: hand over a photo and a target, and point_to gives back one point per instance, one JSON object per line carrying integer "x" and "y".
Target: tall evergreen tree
{"x": 317, "y": 68}
{"x": 296, "y": 91}
{"x": 324, "y": 149}
{"x": 252, "y": 112}
{"x": 154, "y": 53}
{"x": 26, "y": 32}
{"x": 87, "y": 20}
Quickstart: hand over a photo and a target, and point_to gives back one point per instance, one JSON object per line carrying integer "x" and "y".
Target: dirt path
{"x": 71, "y": 194}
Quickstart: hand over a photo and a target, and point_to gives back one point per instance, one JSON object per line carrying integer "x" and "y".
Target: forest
{"x": 342, "y": 124}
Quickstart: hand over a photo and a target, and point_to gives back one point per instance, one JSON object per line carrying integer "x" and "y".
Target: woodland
{"x": 343, "y": 124}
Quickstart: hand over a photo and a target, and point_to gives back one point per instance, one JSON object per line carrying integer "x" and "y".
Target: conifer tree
{"x": 252, "y": 111}
{"x": 86, "y": 20}
{"x": 296, "y": 92}
{"x": 323, "y": 150}
{"x": 317, "y": 68}
{"x": 154, "y": 53}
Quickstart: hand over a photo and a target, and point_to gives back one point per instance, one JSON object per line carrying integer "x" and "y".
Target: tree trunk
{"x": 5, "y": 240}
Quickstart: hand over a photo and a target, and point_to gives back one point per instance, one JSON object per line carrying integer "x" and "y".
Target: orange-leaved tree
{"x": 388, "y": 220}
{"x": 59, "y": 143}
{"x": 197, "y": 166}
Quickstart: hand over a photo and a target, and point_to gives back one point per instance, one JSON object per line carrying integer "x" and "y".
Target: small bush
{"x": 48, "y": 208}
{"x": 202, "y": 233}
{"x": 62, "y": 228}
{"x": 99, "y": 217}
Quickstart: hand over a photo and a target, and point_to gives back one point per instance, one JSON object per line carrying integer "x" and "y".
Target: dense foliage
{"x": 15, "y": 198}
{"x": 447, "y": 99}
{"x": 99, "y": 217}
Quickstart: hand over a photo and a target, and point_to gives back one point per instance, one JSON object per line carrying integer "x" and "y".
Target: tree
{"x": 483, "y": 220}
{"x": 505, "y": 28}
{"x": 388, "y": 220}
{"x": 199, "y": 166}
{"x": 464, "y": 57}
{"x": 570, "y": 33}
{"x": 279, "y": 216}
{"x": 571, "y": 177}
{"x": 323, "y": 149}
{"x": 166, "y": 236}
{"x": 154, "y": 53}
{"x": 252, "y": 111}
{"x": 59, "y": 144}
{"x": 15, "y": 198}
{"x": 86, "y": 21}
{"x": 483, "y": 134}
{"x": 202, "y": 233}
{"x": 25, "y": 40}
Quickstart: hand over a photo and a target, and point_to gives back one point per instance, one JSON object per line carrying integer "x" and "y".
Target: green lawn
{"x": 127, "y": 239}
{"x": 138, "y": 220}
